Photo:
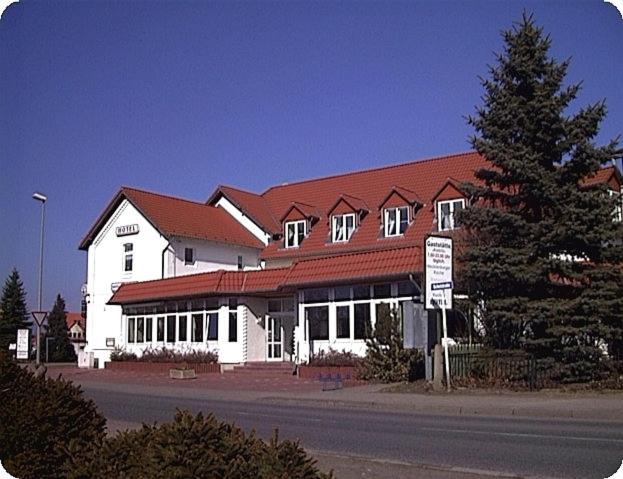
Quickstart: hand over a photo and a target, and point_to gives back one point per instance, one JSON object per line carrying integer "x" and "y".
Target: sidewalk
{"x": 290, "y": 389}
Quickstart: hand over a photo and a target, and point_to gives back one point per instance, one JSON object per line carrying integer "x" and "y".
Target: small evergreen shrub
{"x": 386, "y": 358}
{"x": 194, "y": 446}
{"x": 334, "y": 358}
{"x": 40, "y": 420}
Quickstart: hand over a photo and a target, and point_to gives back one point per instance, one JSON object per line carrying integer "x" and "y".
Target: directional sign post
{"x": 39, "y": 319}
{"x": 438, "y": 289}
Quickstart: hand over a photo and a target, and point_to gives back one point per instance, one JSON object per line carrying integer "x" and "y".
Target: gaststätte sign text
{"x": 437, "y": 272}
{"x": 126, "y": 230}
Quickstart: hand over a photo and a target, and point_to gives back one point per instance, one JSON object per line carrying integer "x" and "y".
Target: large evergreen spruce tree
{"x": 13, "y": 312}
{"x": 60, "y": 347}
{"x": 543, "y": 255}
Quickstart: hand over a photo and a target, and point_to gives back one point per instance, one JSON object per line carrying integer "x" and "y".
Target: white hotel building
{"x": 275, "y": 276}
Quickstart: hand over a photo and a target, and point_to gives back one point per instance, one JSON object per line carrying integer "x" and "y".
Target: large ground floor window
{"x": 183, "y": 322}
{"x": 348, "y": 313}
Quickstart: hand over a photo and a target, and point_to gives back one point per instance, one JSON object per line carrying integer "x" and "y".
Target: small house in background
{"x": 76, "y": 330}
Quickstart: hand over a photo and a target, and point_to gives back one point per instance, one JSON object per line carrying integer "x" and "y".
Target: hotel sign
{"x": 438, "y": 272}
{"x": 126, "y": 230}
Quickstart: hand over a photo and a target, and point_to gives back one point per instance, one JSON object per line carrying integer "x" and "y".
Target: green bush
{"x": 119, "y": 354}
{"x": 386, "y": 358}
{"x": 194, "y": 446}
{"x": 40, "y": 420}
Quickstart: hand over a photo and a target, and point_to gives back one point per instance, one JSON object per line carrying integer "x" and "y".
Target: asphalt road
{"x": 525, "y": 447}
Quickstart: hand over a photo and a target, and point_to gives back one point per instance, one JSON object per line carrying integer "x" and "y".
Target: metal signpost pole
{"x": 445, "y": 339}
{"x": 42, "y": 198}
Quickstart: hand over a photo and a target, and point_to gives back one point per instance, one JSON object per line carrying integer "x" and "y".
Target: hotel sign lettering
{"x": 126, "y": 230}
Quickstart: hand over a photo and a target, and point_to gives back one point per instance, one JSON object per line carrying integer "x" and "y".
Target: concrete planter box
{"x": 316, "y": 372}
{"x": 182, "y": 374}
{"x": 145, "y": 367}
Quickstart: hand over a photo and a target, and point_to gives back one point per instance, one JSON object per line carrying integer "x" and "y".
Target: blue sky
{"x": 178, "y": 97}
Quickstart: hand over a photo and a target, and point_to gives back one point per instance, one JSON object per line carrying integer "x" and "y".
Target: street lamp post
{"x": 42, "y": 198}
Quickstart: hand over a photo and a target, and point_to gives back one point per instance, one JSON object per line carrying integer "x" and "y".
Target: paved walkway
{"x": 280, "y": 388}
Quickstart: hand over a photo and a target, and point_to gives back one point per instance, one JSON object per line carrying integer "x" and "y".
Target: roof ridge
{"x": 241, "y": 190}
{"x": 162, "y": 195}
{"x": 378, "y": 168}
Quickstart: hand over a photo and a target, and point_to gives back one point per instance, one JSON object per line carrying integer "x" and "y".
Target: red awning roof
{"x": 348, "y": 268}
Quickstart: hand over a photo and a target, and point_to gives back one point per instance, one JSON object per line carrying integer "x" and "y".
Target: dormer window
{"x": 295, "y": 232}
{"x": 446, "y": 211}
{"x": 342, "y": 227}
{"x": 396, "y": 221}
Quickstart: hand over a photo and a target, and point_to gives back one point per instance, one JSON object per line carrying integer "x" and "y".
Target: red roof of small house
{"x": 609, "y": 175}
{"x": 178, "y": 217}
{"x": 348, "y": 268}
{"x": 73, "y": 318}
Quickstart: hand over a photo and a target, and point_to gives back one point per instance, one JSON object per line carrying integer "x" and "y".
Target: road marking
{"x": 278, "y": 416}
{"x": 521, "y": 434}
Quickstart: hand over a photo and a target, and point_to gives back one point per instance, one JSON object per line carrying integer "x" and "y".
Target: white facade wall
{"x": 256, "y": 328}
{"x": 209, "y": 256}
{"x": 105, "y": 268}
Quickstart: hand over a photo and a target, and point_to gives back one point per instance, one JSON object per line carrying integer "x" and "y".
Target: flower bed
{"x": 316, "y": 372}
{"x": 161, "y": 367}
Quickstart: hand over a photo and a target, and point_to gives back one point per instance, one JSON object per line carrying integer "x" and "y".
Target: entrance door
{"x": 274, "y": 339}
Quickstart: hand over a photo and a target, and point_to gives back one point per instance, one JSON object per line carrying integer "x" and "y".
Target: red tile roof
{"x": 202, "y": 284}
{"x": 72, "y": 318}
{"x": 370, "y": 266}
{"x": 356, "y": 204}
{"x": 420, "y": 181}
{"x": 354, "y": 267}
{"x": 254, "y": 206}
{"x": 609, "y": 175}
{"x": 308, "y": 211}
{"x": 179, "y": 217}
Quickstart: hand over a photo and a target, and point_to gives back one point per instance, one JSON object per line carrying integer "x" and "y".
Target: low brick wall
{"x": 146, "y": 367}
{"x": 314, "y": 372}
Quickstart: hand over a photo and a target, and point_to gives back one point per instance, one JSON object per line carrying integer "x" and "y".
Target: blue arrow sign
{"x": 440, "y": 286}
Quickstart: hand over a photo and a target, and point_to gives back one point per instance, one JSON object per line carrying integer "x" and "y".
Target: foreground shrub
{"x": 164, "y": 355}
{"x": 194, "y": 446}
{"x": 40, "y": 419}
{"x": 334, "y": 358}
{"x": 386, "y": 358}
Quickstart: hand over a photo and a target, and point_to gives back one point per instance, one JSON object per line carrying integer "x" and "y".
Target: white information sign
{"x": 438, "y": 272}
{"x": 22, "y": 344}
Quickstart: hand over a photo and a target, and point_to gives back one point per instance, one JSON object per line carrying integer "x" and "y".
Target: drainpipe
{"x": 162, "y": 256}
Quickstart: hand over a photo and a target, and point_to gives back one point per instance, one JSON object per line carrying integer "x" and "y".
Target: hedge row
{"x": 49, "y": 430}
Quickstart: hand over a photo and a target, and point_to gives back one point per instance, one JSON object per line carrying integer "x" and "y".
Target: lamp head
{"x": 39, "y": 196}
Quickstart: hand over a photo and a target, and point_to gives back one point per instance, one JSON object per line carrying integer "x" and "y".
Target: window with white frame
{"x": 396, "y": 221}
{"x": 342, "y": 228}
{"x": 446, "y": 211}
{"x": 189, "y": 256}
{"x": 295, "y": 232}
{"x": 128, "y": 257}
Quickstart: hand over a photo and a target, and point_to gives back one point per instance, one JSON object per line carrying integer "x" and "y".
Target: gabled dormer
{"x": 297, "y": 221}
{"x": 397, "y": 211}
{"x": 449, "y": 200}
{"x": 345, "y": 216}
